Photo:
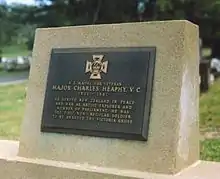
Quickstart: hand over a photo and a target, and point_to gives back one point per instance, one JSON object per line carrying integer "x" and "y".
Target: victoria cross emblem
{"x": 96, "y": 66}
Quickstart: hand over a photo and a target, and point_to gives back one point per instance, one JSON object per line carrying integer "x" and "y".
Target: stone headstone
{"x": 140, "y": 84}
{"x": 111, "y": 101}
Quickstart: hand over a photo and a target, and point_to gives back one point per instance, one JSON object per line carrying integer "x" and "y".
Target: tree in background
{"x": 5, "y": 27}
{"x": 14, "y": 27}
{"x": 24, "y": 33}
{"x": 205, "y": 13}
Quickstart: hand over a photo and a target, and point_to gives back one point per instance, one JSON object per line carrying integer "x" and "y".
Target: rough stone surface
{"x": 173, "y": 133}
{"x": 12, "y": 167}
{"x": 8, "y": 148}
{"x": 203, "y": 170}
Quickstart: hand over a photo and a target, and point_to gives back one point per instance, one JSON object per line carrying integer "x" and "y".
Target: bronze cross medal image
{"x": 96, "y": 67}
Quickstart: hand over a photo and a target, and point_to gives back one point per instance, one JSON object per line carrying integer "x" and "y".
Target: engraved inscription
{"x": 98, "y": 92}
{"x": 81, "y": 107}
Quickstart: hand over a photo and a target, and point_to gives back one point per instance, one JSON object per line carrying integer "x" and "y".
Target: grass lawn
{"x": 8, "y": 74}
{"x": 210, "y": 150}
{"x": 12, "y": 109}
{"x": 210, "y": 109}
{"x": 12, "y": 51}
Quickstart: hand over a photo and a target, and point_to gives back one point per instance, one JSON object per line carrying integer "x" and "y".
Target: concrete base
{"x": 13, "y": 167}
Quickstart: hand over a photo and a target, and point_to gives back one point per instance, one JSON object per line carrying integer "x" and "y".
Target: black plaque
{"x": 104, "y": 92}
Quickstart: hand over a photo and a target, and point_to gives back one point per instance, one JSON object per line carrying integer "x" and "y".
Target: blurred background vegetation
{"x": 18, "y": 22}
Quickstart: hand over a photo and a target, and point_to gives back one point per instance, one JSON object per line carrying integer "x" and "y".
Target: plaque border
{"x": 148, "y": 95}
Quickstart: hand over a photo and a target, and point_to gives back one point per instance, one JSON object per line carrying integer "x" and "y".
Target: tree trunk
{"x": 96, "y": 15}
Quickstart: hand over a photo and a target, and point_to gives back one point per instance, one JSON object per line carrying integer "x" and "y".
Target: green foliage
{"x": 209, "y": 122}
{"x": 6, "y": 26}
{"x": 14, "y": 50}
{"x": 12, "y": 100}
{"x": 18, "y": 22}
{"x": 209, "y": 108}
{"x": 14, "y": 27}
{"x": 78, "y": 12}
{"x": 210, "y": 150}
{"x": 164, "y": 5}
